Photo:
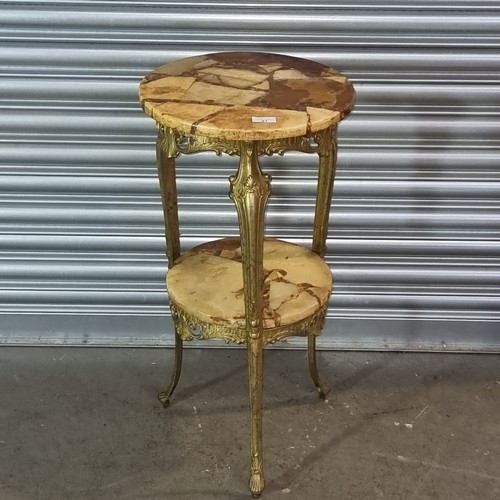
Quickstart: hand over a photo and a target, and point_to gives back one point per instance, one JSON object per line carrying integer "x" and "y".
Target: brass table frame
{"x": 250, "y": 190}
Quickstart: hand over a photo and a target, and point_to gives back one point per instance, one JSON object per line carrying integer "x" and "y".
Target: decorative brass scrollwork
{"x": 167, "y": 141}
{"x": 174, "y": 143}
{"x": 190, "y": 327}
{"x": 188, "y": 144}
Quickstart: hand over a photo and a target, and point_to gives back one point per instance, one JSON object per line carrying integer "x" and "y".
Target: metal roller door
{"x": 414, "y": 242}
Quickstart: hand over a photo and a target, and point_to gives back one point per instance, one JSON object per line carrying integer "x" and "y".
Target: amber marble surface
{"x": 246, "y": 95}
{"x": 207, "y": 282}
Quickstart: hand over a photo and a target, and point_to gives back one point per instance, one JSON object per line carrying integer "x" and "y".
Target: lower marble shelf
{"x": 206, "y": 288}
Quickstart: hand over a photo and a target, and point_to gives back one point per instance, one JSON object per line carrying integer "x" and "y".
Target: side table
{"x": 250, "y": 290}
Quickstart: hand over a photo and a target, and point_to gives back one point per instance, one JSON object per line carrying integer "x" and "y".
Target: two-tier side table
{"x": 250, "y": 290}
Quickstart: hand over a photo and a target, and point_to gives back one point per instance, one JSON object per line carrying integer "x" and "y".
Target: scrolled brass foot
{"x": 323, "y": 390}
{"x": 164, "y": 399}
{"x": 256, "y": 484}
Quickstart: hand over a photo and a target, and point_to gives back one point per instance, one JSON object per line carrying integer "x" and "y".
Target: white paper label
{"x": 263, "y": 119}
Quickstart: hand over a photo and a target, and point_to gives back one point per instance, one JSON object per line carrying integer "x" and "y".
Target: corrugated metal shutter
{"x": 415, "y": 223}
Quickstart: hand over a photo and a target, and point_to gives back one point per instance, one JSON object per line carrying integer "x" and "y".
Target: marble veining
{"x": 207, "y": 282}
{"x": 219, "y": 95}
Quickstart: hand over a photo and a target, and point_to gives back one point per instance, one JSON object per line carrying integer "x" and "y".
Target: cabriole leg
{"x": 250, "y": 191}
{"x": 165, "y": 396}
{"x": 322, "y": 388}
{"x": 166, "y": 152}
{"x": 327, "y": 152}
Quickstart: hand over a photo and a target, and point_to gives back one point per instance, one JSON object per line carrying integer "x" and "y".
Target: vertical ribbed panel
{"x": 414, "y": 242}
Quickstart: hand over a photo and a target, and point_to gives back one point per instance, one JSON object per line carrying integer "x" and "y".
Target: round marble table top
{"x": 246, "y": 96}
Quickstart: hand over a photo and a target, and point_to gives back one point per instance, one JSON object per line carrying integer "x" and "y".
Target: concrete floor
{"x": 84, "y": 423}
